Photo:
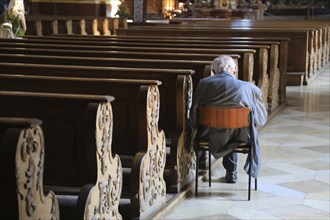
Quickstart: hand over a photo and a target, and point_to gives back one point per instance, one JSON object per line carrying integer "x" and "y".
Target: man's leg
{"x": 229, "y": 162}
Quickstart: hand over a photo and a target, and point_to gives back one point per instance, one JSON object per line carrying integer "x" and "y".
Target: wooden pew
{"x": 74, "y": 143}
{"x": 136, "y": 137}
{"x": 245, "y": 64}
{"x": 201, "y": 68}
{"x": 261, "y": 77}
{"x": 123, "y": 54}
{"x": 269, "y": 40}
{"x": 260, "y": 48}
{"x": 22, "y": 163}
{"x": 317, "y": 40}
{"x": 318, "y": 33}
{"x": 297, "y": 49}
{"x": 110, "y": 44}
{"x": 277, "y": 52}
{"x": 323, "y": 39}
{"x": 315, "y": 56}
{"x": 175, "y": 93}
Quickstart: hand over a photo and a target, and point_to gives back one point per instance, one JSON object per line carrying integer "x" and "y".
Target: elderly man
{"x": 223, "y": 89}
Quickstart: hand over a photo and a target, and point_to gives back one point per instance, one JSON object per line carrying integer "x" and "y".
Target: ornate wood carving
{"x": 32, "y": 203}
{"x": 115, "y": 25}
{"x": 316, "y": 51}
{"x": 326, "y": 46}
{"x": 186, "y": 158}
{"x": 152, "y": 188}
{"x": 309, "y": 65}
{"x": 103, "y": 199}
{"x": 68, "y": 26}
{"x": 248, "y": 65}
{"x": 327, "y": 51}
{"x": 310, "y": 56}
{"x": 321, "y": 55}
{"x": 38, "y": 27}
{"x": 274, "y": 80}
{"x": 54, "y": 26}
{"x": 95, "y": 28}
{"x": 105, "y": 27}
{"x": 82, "y": 24}
{"x": 274, "y": 101}
{"x": 263, "y": 80}
{"x": 264, "y": 91}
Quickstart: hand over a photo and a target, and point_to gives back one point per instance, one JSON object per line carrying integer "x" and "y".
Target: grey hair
{"x": 222, "y": 63}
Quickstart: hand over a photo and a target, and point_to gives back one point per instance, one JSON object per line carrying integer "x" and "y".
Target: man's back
{"x": 224, "y": 90}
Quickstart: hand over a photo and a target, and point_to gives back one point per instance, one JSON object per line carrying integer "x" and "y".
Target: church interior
{"x": 95, "y": 99}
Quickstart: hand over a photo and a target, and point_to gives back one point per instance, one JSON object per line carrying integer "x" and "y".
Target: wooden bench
{"x": 22, "y": 163}
{"x": 74, "y": 143}
{"x": 202, "y": 68}
{"x": 278, "y": 50}
{"x": 109, "y": 45}
{"x": 277, "y": 53}
{"x": 318, "y": 33}
{"x": 122, "y": 54}
{"x": 175, "y": 96}
{"x": 245, "y": 64}
{"x": 297, "y": 49}
{"x": 321, "y": 26}
{"x": 260, "y": 45}
{"x": 136, "y": 137}
{"x": 260, "y": 75}
{"x": 317, "y": 39}
{"x": 269, "y": 40}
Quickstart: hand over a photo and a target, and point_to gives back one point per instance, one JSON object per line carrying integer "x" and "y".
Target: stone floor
{"x": 294, "y": 179}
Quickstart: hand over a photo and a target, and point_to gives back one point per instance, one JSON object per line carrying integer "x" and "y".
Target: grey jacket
{"x": 224, "y": 90}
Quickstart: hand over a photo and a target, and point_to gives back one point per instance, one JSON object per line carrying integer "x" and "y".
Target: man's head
{"x": 224, "y": 63}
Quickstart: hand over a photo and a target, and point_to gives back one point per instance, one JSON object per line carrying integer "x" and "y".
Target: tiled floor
{"x": 294, "y": 182}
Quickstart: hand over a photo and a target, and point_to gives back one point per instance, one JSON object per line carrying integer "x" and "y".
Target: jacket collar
{"x": 225, "y": 74}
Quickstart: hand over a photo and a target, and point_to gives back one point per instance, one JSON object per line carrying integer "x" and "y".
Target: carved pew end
{"x": 22, "y": 161}
{"x": 73, "y": 206}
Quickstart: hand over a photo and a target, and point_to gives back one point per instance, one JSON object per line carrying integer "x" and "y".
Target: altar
{"x": 228, "y": 13}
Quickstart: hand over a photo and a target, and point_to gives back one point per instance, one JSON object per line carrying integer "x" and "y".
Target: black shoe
{"x": 231, "y": 177}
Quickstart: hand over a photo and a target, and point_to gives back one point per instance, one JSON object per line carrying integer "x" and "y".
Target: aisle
{"x": 294, "y": 180}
